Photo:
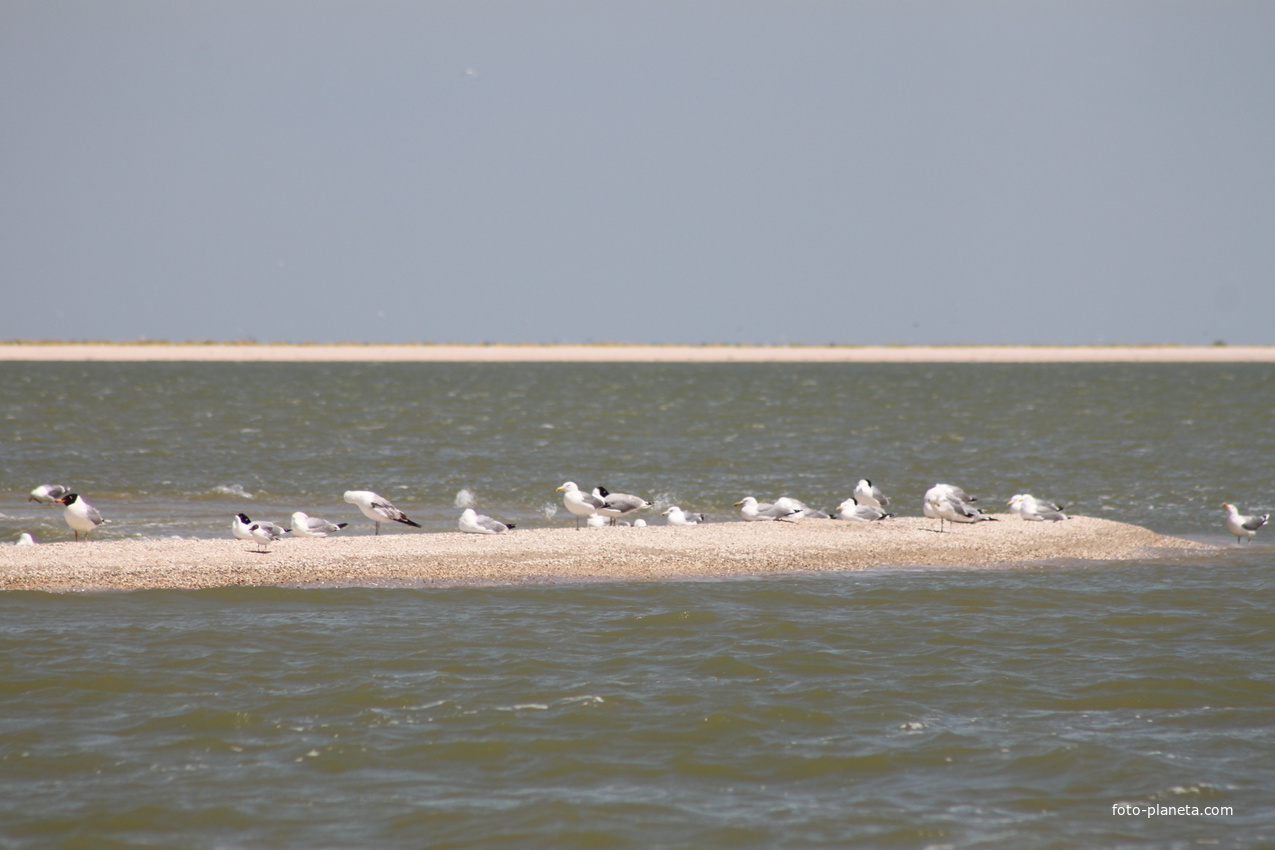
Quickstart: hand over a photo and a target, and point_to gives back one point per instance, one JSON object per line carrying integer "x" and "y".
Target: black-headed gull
{"x": 241, "y": 527}
{"x": 867, "y": 495}
{"x": 80, "y": 515}
{"x": 264, "y": 533}
{"x": 619, "y": 504}
{"x": 851, "y": 509}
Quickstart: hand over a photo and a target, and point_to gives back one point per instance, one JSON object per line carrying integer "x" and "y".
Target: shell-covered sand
{"x": 656, "y": 552}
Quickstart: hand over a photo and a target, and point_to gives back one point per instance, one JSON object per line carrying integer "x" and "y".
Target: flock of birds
{"x": 944, "y": 502}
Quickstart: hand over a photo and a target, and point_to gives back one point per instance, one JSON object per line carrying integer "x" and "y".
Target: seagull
{"x": 594, "y": 521}
{"x": 48, "y": 494}
{"x": 754, "y": 511}
{"x": 1030, "y": 508}
{"x": 787, "y": 502}
{"x": 241, "y": 527}
{"x": 1243, "y": 526}
{"x": 264, "y": 533}
{"x": 853, "y": 510}
{"x": 79, "y": 514}
{"x": 868, "y": 496}
{"x": 946, "y": 502}
{"x": 476, "y": 523}
{"x": 377, "y": 508}
{"x": 304, "y": 525}
{"x": 619, "y": 504}
{"x": 24, "y": 539}
{"x": 677, "y": 516}
{"x": 580, "y": 503}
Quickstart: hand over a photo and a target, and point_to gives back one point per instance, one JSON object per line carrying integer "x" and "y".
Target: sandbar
{"x": 624, "y": 353}
{"x": 552, "y": 555}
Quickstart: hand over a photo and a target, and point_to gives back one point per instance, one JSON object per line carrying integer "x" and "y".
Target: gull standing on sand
{"x": 619, "y": 504}
{"x": 852, "y": 510}
{"x": 241, "y": 527}
{"x": 1030, "y": 508}
{"x": 677, "y": 516}
{"x": 754, "y": 511}
{"x": 80, "y": 515}
{"x": 264, "y": 533}
{"x": 377, "y": 508}
{"x": 473, "y": 522}
{"x": 1243, "y": 526}
{"x": 865, "y": 495}
{"x": 304, "y": 525}
{"x": 48, "y": 494}
{"x": 577, "y": 501}
{"x": 946, "y": 502}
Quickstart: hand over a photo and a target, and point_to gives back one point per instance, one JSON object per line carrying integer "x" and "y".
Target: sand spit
{"x": 505, "y": 353}
{"x": 565, "y": 554}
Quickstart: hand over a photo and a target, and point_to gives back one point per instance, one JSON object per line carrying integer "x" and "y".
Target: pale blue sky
{"x": 683, "y": 171}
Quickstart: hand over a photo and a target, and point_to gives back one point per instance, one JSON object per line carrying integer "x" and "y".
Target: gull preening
{"x": 1030, "y": 508}
{"x": 1243, "y": 526}
{"x": 854, "y": 511}
{"x": 615, "y": 505}
{"x": 799, "y": 508}
{"x": 866, "y": 495}
{"x": 578, "y": 502}
{"x": 79, "y": 514}
{"x": 377, "y": 508}
{"x": 677, "y": 516}
{"x": 951, "y": 503}
{"x": 754, "y": 511}
{"x": 304, "y": 525}
{"x": 473, "y": 522}
{"x": 48, "y": 494}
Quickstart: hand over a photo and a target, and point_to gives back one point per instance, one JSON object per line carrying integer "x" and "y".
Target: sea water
{"x": 1064, "y": 705}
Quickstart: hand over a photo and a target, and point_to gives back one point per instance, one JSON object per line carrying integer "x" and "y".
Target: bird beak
{"x": 737, "y": 504}
{"x": 560, "y": 489}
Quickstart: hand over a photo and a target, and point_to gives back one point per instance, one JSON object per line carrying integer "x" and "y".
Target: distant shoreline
{"x": 624, "y": 353}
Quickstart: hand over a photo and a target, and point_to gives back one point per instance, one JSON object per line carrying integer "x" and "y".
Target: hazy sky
{"x": 682, "y": 171}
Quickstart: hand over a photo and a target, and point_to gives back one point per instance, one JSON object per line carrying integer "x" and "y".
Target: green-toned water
{"x": 175, "y": 448}
{"x": 903, "y": 707}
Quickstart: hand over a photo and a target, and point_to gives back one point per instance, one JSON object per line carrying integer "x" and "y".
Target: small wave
{"x": 232, "y": 490}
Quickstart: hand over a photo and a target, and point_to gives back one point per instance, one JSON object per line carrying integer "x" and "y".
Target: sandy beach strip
{"x": 620, "y": 353}
{"x": 716, "y": 550}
